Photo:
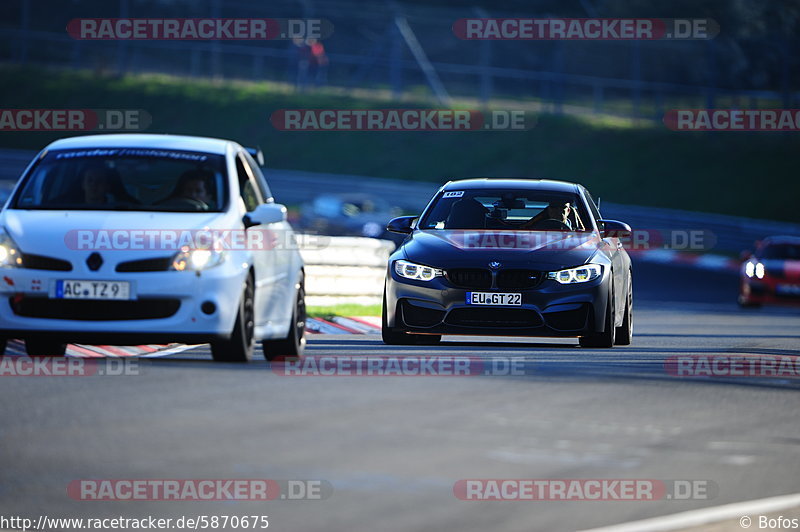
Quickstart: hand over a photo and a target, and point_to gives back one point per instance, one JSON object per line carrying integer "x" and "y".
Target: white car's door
{"x": 267, "y": 274}
{"x": 283, "y": 250}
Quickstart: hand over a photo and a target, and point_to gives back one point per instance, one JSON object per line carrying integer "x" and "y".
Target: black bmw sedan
{"x": 509, "y": 257}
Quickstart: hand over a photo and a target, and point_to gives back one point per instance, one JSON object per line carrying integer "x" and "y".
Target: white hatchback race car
{"x": 136, "y": 239}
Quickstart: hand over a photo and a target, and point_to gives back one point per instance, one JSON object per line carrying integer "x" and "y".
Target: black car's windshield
{"x": 780, "y": 251}
{"x": 507, "y": 209}
{"x": 139, "y": 179}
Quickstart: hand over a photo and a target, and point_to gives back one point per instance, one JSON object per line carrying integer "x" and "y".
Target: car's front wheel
{"x": 37, "y": 347}
{"x": 294, "y": 344}
{"x": 624, "y": 333}
{"x": 239, "y": 347}
{"x": 605, "y": 338}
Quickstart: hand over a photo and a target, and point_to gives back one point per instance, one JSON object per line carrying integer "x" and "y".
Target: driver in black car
{"x": 556, "y": 210}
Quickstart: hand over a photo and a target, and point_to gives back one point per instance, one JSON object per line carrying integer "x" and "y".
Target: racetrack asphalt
{"x": 392, "y": 448}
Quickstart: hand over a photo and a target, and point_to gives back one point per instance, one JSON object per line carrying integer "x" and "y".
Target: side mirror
{"x": 402, "y": 225}
{"x": 266, "y": 213}
{"x": 745, "y": 255}
{"x": 614, "y": 229}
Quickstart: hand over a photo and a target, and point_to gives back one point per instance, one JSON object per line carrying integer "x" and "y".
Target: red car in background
{"x": 771, "y": 273}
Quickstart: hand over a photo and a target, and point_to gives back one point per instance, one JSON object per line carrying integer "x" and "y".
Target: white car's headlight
{"x": 581, "y": 274}
{"x": 10, "y": 257}
{"x": 418, "y": 272}
{"x": 197, "y": 259}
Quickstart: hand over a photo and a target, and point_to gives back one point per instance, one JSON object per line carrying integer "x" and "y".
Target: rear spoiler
{"x": 256, "y": 154}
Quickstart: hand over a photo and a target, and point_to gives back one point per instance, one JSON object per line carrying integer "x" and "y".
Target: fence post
{"x": 258, "y": 65}
{"x": 485, "y": 60}
{"x": 712, "y": 74}
{"x": 75, "y": 58}
{"x": 194, "y": 62}
{"x": 597, "y": 93}
{"x": 557, "y": 76}
{"x": 216, "y": 52}
{"x": 122, "y": 44}
{"x": 422, "y": 60}
{"x": 396, "y": 61}
{"x": 787, "y": 95}
{"x": 636, "y": 74}
{"x": 659, "y": 103}
{"x": 25, "y": 26}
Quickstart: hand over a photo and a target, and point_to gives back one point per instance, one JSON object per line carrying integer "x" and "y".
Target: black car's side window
{"x": 247, "y": 188}
{"x": 592, "y": 206}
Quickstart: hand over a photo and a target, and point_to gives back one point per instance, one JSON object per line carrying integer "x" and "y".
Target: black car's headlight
{"x": 581, "y": 274}
{"x": 418, "y": 272}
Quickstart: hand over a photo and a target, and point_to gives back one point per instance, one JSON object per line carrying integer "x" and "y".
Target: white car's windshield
{"x": 140, "y": 179}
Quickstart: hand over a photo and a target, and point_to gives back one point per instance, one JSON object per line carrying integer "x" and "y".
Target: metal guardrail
{"x": 733, "y": 233}
{"x": 346, "y": 269}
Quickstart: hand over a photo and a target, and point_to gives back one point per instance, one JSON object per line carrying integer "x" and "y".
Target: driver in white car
{"x": 192, "y": 186}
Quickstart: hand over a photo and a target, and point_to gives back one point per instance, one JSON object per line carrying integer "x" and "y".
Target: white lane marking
{"x": 362, "y": 328}
{"x": 375, "y": 321}
{"x": 323, "y": 327}
{"x": 705, "y": 515}
{"x": 170, "y": 351}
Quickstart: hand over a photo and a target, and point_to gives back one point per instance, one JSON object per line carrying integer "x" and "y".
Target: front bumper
{"x": 166, "y": 306}
{"x": 770, "y": 291}
{"x": 548, "y": 310}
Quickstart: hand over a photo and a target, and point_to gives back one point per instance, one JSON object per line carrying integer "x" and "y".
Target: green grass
{"x": 345, "y": 310}
{"x": 746, "y": 174}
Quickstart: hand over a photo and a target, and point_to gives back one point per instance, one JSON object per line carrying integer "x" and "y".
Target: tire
{"x": 239, "y": 347}
{"x": 624, "y": 333}
{"x": 603, "y": 339}
{"x": 394, "y": 337}
{"x": 293, "y": 346}
{"x": 391, "y": 336}
{"x": 36, "y": 347}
